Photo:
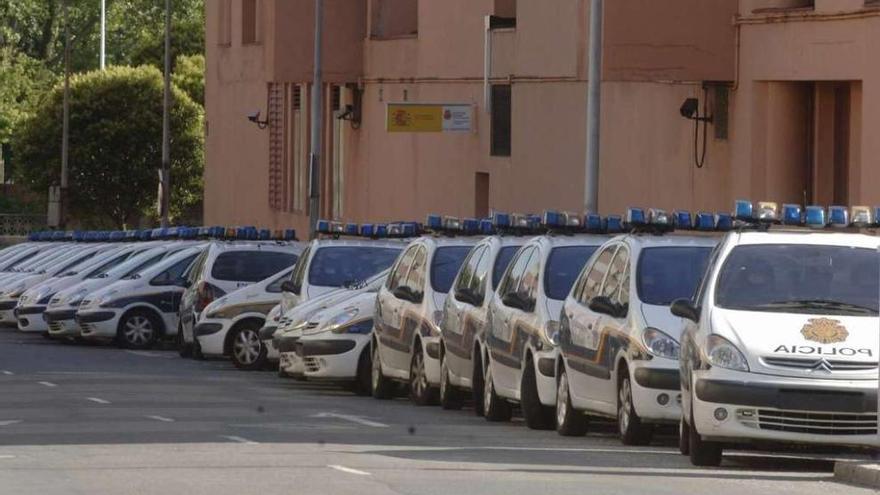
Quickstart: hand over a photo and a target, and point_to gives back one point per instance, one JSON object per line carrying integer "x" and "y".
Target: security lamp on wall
{"x": 690, "y": 109}
{"x": 255, "y": 118}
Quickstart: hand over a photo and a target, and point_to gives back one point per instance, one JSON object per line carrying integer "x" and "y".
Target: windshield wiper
{"x": 820, "y": 304}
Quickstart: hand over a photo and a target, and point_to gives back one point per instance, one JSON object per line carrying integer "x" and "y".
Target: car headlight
{"x": 720, "y": 352}
{"x": 15, "y": 292}
{"x": 340, "y": 320}
{"x": 362, "y": 327}
{"x": 660, "y": 344}
{"x": 76, "y": 298}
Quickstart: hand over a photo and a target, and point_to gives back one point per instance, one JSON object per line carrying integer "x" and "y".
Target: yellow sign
{"x": 418, "y": 117}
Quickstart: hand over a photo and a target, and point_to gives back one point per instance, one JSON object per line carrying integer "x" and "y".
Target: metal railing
{"x": 16, "y": 224}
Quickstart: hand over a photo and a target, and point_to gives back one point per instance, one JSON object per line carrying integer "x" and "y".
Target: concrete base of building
{"x": 858, "y": 473}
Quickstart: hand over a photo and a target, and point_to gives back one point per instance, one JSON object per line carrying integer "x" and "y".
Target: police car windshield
{"x": 250, "y": 266}
{"x": 665, "y": 274}
{"x": 563, "y": 267}
{"x": 444, "y": 267}
{"x": 501, "y": 261}
{"x": 346, "y": 266}
{"x": 800, "y": 278}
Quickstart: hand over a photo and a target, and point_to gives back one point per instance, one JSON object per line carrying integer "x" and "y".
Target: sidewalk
{"x": 858, "y": 473}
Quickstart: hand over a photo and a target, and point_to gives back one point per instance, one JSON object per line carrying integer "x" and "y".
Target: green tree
{"x": 23, "y": 80}
{"x": 115, "y": 146}
{"x": 189, "y": 75}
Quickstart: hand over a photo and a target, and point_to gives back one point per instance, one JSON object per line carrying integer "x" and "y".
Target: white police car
{"x": 225, "y": 267}
{"x": 60, "y": 314}
{"x": 781, "y": 338}
{"x": 230, "y": 325}
{"x": 618, "y": 343}
{"x": 406, "y": 340}
{"x": 141, "y": 308}
{"x": 462, "y": 331}
{"x": 523, "y": 320}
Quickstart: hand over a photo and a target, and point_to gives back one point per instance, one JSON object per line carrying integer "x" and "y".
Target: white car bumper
{"x": 545, "y": 376}
{"x": 333, "y": 357}
{"x": 30, "y": 318}
{"x": 98, "y": 323}
{"x": 656, "y": 390}
{"x": 736, "y": 406}
{"x": 62, "y": 322}
{"x": 291, "y": 364}
{"x": 211, "y": 334}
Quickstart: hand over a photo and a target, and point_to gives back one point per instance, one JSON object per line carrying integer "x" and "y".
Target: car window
{"x": 501, "y": 262}
{"x": 528, "y": 285}
{"x": 563, "y": 266}
{"x": 175, "y": 272}
{"x": 616, "y": 272}
{"x": 704, "y": 279}
{"x": 800, "y": 278}
{"x": 195, "y": 271}
{"x": 592, "y": 278}
{"x": 103, "y": 267}
{"x": 511, "y": 279}
{"x": 401, "y": 269}
{"x": 250, "y": 266}
{"x": 468, "y": 268}
{"x": 346, "y": 266}
{"x": 298, "y": 275}
{"x": 669, "y": 273}
{"x": 76, "y": 261}
{"x": 132, "y": 273}
{"x": 275, "y": 286}
{"x": 415, "y": 279}
{"x": 478, "y": 281}
{"x": 445, "y": 264}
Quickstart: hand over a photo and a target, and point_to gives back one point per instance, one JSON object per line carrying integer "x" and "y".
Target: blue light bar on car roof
{"x": 117, "y": 235}
{"x": 594, "y": 223}
{"x": 434, "y": 222}
{"x": 791, "y": 214}
{"x": 838, "y": 216}
{"x": 704, "y": 221}
{"x": 351, "y": 229}
{"x": 500, "y": 220}
{"x": 614, "y": 224}
{"x": 470, "y": 226}
{"x": 815, "y": 217}
{"x": 487, "y": 227}
{"x": 681, "y": 219}
{"x": 635, "y": 217}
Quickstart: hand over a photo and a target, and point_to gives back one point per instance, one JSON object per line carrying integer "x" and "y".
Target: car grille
{"x": 819, "y": 363}
{"x": 56, "y": 326}
{"x": 310, "y": 325}
{"x": 86, "y": 327}
{"x": 810, "y": 422}
{"x": 311, "y": 364}
{"x": 54, "y": 300}
{"x": 85, "y": 303}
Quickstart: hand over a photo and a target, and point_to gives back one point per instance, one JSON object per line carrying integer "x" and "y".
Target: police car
{"x": 60, "y": 314}
{"x": 618, "y": 343}
{"x": 781, "y": 337}
{"x": 230, "y": 325}
{"x": 34, "y": 301}
{"x": 406, "y": 340}
{"x": 141, "y": 308}
{"x": 223, "y": 268}
{"x": 305, "y": 316}
{"x": 464, "y": 320}
{"x": 523, "y": 319}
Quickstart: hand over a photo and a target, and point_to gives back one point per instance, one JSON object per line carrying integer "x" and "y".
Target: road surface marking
{"x": 10, "y": 422}
{"x": 6, "y": 456}
{"x": 99, "y": 401}
{"x": 48, "y": 384}
{"x": 161, "y": 418}
{"x": 7, "y": 373}
{"x": 354, "y": 419}
{"x": 239, "y": 439}
{"x": 348, "y": 470}
{"x": 149, "y": 354}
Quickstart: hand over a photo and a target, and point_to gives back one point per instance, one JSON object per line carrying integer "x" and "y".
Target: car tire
{"x": 450, "y": 396}
{"x": 138, "y": 329}
{"x": 569, "y": 422}
{"x": 684, "y": 437}
{"x": 246, "y": 350}
{"x": 197, "y": 350}
{"x": 495, "y": 409}
{"x": 701, "y": 452}
{"x": 381, "y": 387}
{"x": 477, "y": 385}
{"x": 421, "y": 393}
{"x": 183, "y": 349}
{"x": 536, "y": 415}
{"x": 630, "y": 428}
{"x": 362, "y": 380}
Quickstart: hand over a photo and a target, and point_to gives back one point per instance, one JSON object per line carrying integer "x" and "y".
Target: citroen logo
{"x": 821, "y": 365}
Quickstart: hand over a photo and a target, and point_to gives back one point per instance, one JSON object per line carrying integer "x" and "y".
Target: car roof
{"x": 805, "y": 236}
{"x": 363, "y": 242}
{"x": 440, "y": 241}
{"x": 255, "y": 246}
{"x": 650, "y": 240}
{"x": 557, "y": 240}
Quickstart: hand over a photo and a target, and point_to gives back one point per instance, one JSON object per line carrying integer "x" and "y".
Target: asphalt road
{"x": 97, "y": 420}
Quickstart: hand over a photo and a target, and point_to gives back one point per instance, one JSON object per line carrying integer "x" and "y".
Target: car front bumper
{"x": 211, "y": 334}
{"x": 266, "y": 334}
{"x": 62, "y": 322}
{"x": 291, "y": 364}
{"x": 656, "y": 390}
{"x": 98, "y": 323}
{"x": 7, "y": 311}
{"x": 333, "y": 357}
{"x": 30, "y": 318}
{"x": 733, "y": 406}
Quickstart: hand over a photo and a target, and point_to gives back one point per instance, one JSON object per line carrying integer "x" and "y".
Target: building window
{"x": 394, "y": 18}
{"x": 249, "y": 22}
{"x": 224, "y": 22}
{"x": 500, "y": 120}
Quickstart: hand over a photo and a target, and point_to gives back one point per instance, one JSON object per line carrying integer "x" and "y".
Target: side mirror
{"x": 466, "y": 295}
{"x": 407, "y": 294}
{"x": 288, "y": 286}
{"x": 604, "y": 305}
{"x": 685, "y": 309}
{"x": 514, "y": 300}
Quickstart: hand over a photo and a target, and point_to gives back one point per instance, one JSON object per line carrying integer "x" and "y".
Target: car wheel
{"x": 494, "y": 407}
{"x": 450, "y": 397}
{"x": 683, "y": 437}
{"x": 197, "y": 350}
{"x": 420, "y": 391}
{"x": 569, "y": 423}
{"x": 138, "y": 329}
{"x": 537, "y": 415}
{"x": 362, "y": 381}
{"x": 248, "y": 352}
{"x": 477, "y": 385}
{"x": 701, "y": 452}
{"x": 184, "y": 349}
{"x": 381, "y": 387}
{"x": 629, "y": 425}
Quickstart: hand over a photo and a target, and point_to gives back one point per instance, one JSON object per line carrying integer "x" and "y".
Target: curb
{"x": 858, "y": 473}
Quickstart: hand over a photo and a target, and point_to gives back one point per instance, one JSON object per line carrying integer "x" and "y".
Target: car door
{"x": 614, "y": 329}
{"x": 170, "y": 286}
{"x": 188, "y": 300}
{"x": 459, "y": 313}
{"x": 387, "y": 319}
{"x": 580, "y": 336}
{"x": 410, "y": 303}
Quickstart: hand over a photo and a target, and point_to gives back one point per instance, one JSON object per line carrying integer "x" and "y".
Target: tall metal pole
{"x": 65, "y": 126}
{"x": 594, "y": 100}
{"x": 165, "y": 182}
{"x": 103, "y": 34}
{"x": 317, "y": 124}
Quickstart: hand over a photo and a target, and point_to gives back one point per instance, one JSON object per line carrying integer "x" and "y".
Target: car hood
{"x": 796, "y": 344}
{"x": 662, "y": 319}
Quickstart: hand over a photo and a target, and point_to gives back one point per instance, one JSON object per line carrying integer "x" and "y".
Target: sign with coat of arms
{"x": 824, "y": 331}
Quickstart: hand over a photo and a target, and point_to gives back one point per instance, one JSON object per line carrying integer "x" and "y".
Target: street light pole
{"x": 65, "y": 126}
{"x": 165, "y": 172}
{"x": 103, "y": 33}
{"x": 594, "y": 101}
{"x": 317, "y": 124}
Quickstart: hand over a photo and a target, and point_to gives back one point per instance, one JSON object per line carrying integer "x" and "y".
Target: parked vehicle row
{"x": 756, "y": 326}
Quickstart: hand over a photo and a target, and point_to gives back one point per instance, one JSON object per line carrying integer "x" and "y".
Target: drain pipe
{"x": 594, "y": 100}
{"x": 487, "y": 63}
